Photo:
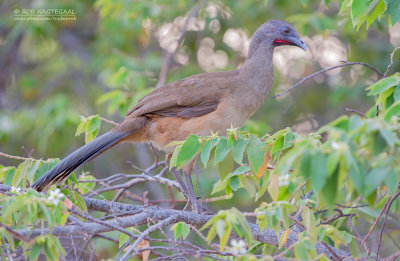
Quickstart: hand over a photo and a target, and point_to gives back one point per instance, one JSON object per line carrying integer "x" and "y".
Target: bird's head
{"x": 276, "y": 33}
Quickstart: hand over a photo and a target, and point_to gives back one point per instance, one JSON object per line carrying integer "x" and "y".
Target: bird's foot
{"x": 199, "y": 207}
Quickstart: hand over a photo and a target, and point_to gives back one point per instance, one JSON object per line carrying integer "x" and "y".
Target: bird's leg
{"x": 196, "y": 172}
{"x": 187, "y": 189}
{"x": 178, "y": 178}
{"x": 197, "y": 206}
{"x": 177, "y": 175}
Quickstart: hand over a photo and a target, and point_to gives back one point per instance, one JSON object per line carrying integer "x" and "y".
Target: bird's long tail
{"x": 78, "y": 158}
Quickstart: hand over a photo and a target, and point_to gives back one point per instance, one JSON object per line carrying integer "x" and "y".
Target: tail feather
{"x": 77, "y": 159}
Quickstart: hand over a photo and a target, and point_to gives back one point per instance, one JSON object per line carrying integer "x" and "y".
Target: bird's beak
{"x": 298, "y": 42}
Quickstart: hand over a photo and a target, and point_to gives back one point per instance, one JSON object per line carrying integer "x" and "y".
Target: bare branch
{"x": 18, "y": 157}
{"x": 376, "y": 222}
{"x": 384, "y": 223}
{"x": 109, "y": 121}
{"x": 153, "y": 228}
{"x": 356, "y": 111}
{"x": 168, "y": 55}
{"x": 15, "y": 234}
{"x": 326, "y": 70}
{"x": 391, "y": 62}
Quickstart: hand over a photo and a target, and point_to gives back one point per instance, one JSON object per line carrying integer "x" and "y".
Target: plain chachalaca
{"x": 197, "y": 105}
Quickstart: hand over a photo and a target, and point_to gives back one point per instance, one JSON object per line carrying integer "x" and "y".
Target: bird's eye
{"x": 286, "y": 30}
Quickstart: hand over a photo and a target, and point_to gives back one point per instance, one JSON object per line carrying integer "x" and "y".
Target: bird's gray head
{"x": 275, "y": 33}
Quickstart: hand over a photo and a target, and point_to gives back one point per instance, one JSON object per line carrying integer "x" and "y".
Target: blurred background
{"x": 115, "y": 52}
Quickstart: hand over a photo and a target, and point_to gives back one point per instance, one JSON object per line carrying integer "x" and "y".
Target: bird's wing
{"x": 194, "y": 96}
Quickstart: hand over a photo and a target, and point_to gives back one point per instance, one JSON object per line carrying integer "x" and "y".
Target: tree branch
{"x": 168, "y": 55}
{"x": 326, "y": 70}
{"x": 391, "y": 62}
{"x": 149, "y": 230}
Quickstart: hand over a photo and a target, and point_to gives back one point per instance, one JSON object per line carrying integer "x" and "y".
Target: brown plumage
{"x": 198, "y": 104}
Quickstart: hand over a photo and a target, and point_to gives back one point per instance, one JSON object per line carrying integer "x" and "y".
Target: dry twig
{"x": 324, "y": 71}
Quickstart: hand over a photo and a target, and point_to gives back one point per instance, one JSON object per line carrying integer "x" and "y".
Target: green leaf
{"x": 81, "y": 127}
{"x": 188, "y": 150}
{"x": 205, "y": 152}
{"x": 79, "y": 201}
{"x": 49, "y": 252}
{"x": 248, "y": 185}
{"x": 21, "y": 173}
{"x": 225, "y": 167}
{"x": 318, "y": 171}
{"x": 35, "y": 251}
{"x": 289, "y": 137}
{"x": 342, "y": 123}
{"x": 219, "y": 185}
{"x": 174, "y": 158}
{"x": 305, "y": 164}
{"x": 247, "y": 233}
{"x": 359, "y": 10}
{"x": 374, "y": 179}
{"x": 396, "y": 93}
{"x": 44, "y": 167}
{"x": 93, "y": 124}
{"x": 255, "y": 153}
{"x": 332, "y": 163}
{"x": 355, "y": 252}
{"x": 393, "y": 6}
{"x": 221, "y": 151}
{"x": 8, "y": 174}
{"x": 349, "y": 163}
{"x": 224, "y": 239}
{"x": 310, "y": 223}
{"x": 32, "y": 171}
{"x": 89, "y": 136}
{"x": 123, "y": 238}
{"x": 278, "y": 145}
{"x": 48, "y": 216}
{"x": 234, "y": 182}
{"x": 393, "y": 110}
{"x": 238, "y": 149}
{"x": 330, "y": 189}
{"x": 73, "y": 178}
{"x": 241, "y": 170}
{"x": 263, "y": 189}
{"x": 180, "y": 229}
{"x": 383, "y": 85}
{"x": 388, "y": 135}
{"x": 391, "y": 181}
{"x": 378, "y": 11}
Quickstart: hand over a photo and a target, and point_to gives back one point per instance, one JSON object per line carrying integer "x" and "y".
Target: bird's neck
{"x": 258, "y": 68}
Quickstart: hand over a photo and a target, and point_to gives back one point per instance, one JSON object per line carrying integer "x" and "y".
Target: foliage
{"x": 302, "y": 186}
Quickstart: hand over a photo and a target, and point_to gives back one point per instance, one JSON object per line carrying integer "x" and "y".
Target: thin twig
{"x": 168, "y": 55}
{"x": 357, "y": 111}
{"x": 326, "y": 70}
{"x": 375, "y": 222}
{"x": 334, "y": 256}
{"x": 15, "y": 234}
{"x": 18, "y": 157}
{"x": 106, "y": 224}
{"x": 109, "y": 121}
{"x": 107, "y": 238}
{"x": 150, "y": 229}
{"x": 392, "y": 257}
{"x": 384, "y": 223}
{"x": 391, "y": 62}
{"x": 296, "y": 190}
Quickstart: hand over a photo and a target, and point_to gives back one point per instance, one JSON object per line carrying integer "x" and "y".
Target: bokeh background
{"x": 53, "y": 72}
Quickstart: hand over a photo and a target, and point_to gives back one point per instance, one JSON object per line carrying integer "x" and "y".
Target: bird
{"x": 200, "y": 104}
